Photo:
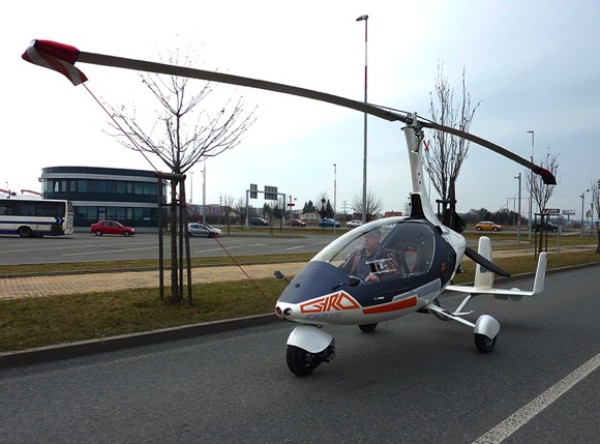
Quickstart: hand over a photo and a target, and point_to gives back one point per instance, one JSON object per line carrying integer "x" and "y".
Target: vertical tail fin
{"x": 484, "y": 278}
{"x": 540, "y": 275}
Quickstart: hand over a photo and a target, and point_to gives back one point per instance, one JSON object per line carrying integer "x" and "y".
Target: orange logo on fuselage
{"x": 333, "y": 302}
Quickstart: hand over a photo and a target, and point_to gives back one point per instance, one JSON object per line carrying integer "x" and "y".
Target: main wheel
{"x": 98, "y": 233}
{"x": 301, "y": 362}
{"x": 367, "y": 328}
{"x": 24, "y": 232}
{"x": 126, "y": 233}
{"x": 484, "y": 344}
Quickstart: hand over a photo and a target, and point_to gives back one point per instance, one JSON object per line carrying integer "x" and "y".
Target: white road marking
{"x": 227, "y": 248}
{"x": 521, "y": 417}
{"x": 127, "y": 250}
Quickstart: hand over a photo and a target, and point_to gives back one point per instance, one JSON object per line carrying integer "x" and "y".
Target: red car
{"x": 111, "y": 227}
{"x": 296, "y": 223}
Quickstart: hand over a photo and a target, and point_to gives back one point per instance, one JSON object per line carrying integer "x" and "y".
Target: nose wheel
{"x": 307, "y": 347}
{"x": 302, "y": 363}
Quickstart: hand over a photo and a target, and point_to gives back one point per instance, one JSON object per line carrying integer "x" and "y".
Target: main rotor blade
{"x": 214, "y": 76}
{"x": 485, "y": 263}
{"x": 546, "y": 175}
{"x": 70, "y": 54}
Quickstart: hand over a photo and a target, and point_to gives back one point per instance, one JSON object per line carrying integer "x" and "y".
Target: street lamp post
{"x": 191, "y": 187}
{"x": 334, "y": 195}
{"x": 204, "y": 193}
{"x": 582, "y": 209}
{"x": 529, "y": 226}
{"x": 519, "y": 212}
{"x": 365, "y": 18}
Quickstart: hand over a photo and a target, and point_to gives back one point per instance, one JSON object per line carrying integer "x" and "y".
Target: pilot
{"x": 357, "y": 263}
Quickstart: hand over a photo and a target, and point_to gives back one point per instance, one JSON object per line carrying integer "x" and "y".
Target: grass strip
{"x": 36, "y": 322}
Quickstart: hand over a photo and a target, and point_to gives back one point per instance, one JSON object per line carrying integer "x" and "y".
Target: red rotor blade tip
{"x": 547, "y": 176}
{"x": 56, "y": 56}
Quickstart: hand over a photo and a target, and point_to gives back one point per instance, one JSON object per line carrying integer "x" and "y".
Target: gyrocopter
{"x": 420, "y": 254}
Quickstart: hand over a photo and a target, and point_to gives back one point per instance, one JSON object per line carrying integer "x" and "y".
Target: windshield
{"x": 393, "y": 245}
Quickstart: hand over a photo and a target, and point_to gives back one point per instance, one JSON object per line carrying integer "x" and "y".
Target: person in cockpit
{"x": 371, "y": 256}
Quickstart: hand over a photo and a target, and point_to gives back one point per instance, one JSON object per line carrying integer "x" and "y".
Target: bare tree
{"x": 540, "y": 191}
{"x": 227, "y": 203}
{"x": 185, "y": 133}
{"x": 374, "y": 205}
{"x": 446, "y": 152}
{"x": 595, "y": 187}
{"x": 240, "y": 209}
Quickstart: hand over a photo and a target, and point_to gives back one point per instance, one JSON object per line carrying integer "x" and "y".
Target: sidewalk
{"x": 52, "y": 285}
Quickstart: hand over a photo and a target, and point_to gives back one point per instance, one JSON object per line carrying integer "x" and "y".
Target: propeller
{"x": 44, "y": 52}
{"x": 485, "y": 263}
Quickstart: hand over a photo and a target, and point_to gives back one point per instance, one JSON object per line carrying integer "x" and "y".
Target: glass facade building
{"x": 129, "y": 196}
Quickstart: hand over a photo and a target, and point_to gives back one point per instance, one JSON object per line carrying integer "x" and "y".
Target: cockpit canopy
{"x": 412, "y": 255}
{"x": 406, "y": 247}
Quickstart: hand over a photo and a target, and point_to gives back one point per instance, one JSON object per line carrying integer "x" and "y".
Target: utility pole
{"x": 531, "y": 184}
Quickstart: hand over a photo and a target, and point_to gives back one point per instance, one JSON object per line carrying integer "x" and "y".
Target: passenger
{"x": 359, "y": 263}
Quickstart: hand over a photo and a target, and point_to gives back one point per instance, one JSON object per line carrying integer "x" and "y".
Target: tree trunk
{"x": 173, "y": 224}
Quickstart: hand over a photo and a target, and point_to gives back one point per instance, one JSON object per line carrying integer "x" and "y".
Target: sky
{"x": 532, "y": 66}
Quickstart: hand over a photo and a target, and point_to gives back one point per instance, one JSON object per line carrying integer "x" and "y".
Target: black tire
{"x": 24, "y": 232}
{"x": 484, "y": 344}
{"x": 98, "y": 233}
{"x": 367, "y": 328}
{"x": 126, "y": 233}
{"x": 495, "y": 229}
{"x": 301, "y": 362}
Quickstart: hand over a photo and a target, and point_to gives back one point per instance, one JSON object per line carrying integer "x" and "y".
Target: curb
{"x": 114, "y": 343}
{"x": 75, "y": 349}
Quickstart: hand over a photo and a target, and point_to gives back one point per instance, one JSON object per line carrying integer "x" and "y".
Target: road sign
{"x": 253, "y": 191}
{"x": 291, "y": 204}
{"x": 552, "y": 211}
{"x": 270, "y": 193}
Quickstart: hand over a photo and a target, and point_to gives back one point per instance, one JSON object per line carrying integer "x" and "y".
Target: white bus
{"x": 36, "y": 217}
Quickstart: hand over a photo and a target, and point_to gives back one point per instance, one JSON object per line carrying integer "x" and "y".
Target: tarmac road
{"x": 83, "y": 247}
{"x": 414, "y": 380}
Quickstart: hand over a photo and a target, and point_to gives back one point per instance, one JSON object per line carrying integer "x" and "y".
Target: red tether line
{"x": 244, "y": 271}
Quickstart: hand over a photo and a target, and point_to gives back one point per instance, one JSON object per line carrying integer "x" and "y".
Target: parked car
{"x": 548, "y": 226}
{"x": 296, "y": 223}
{"x": 487, "y": 225}
{"x": 354, "y": 223}
{"x": 206, "y": 230}
{"x": 325, "y": 223}
{"x": 111, "y": 227}
{"x": 259, "y": 221}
